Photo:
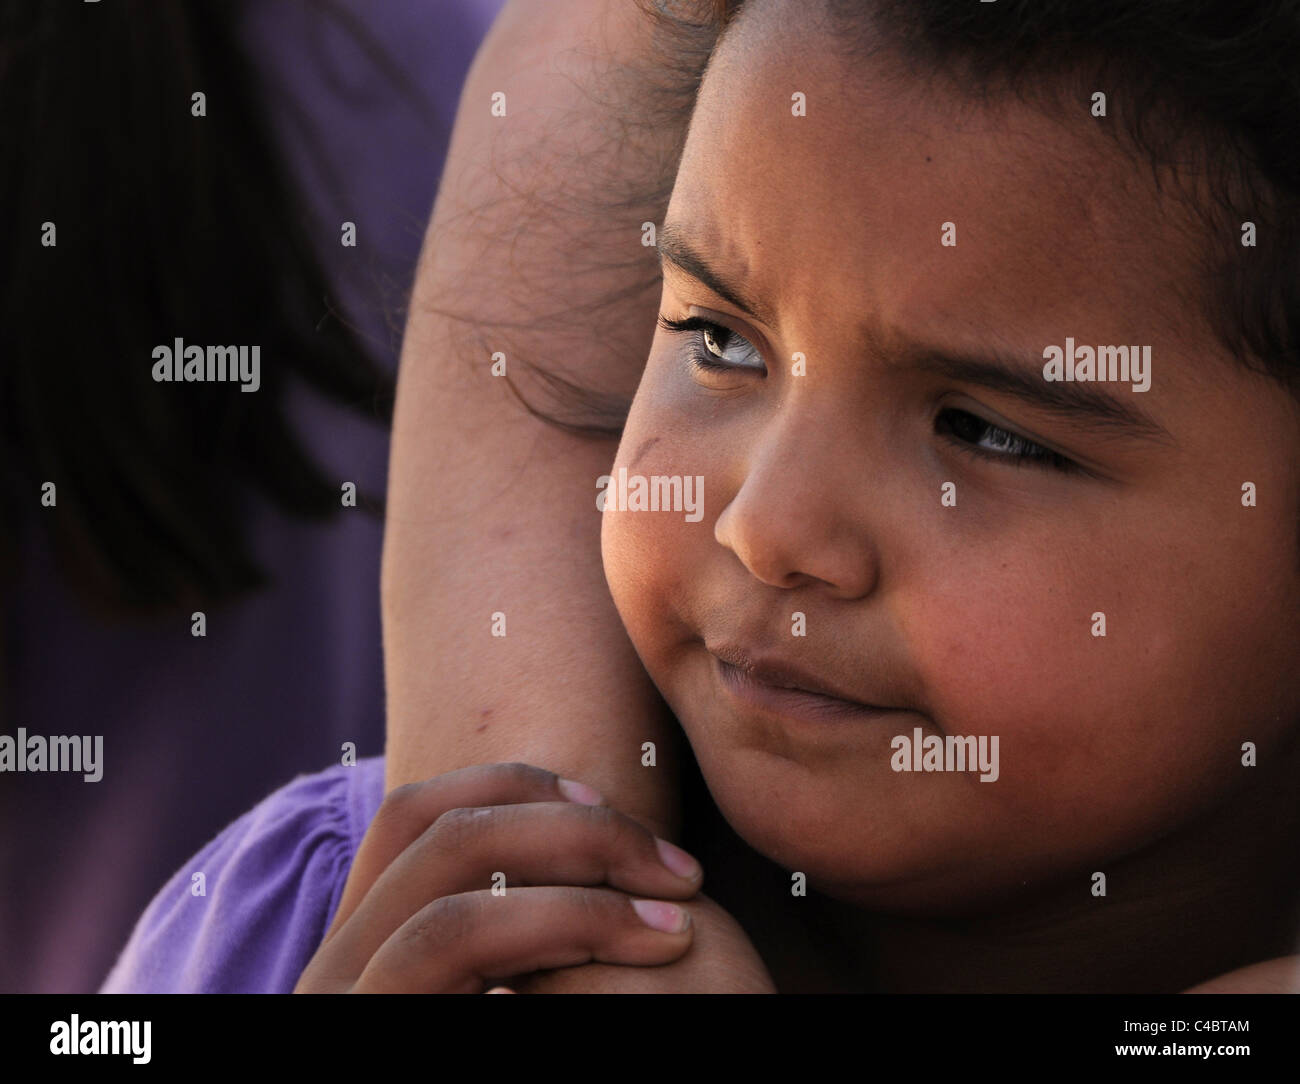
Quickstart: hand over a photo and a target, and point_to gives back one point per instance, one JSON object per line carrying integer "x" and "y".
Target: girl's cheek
{"x": 996, "y": 657}
{"x": 1097, "y": 706}
{"x": 650, "y": 555}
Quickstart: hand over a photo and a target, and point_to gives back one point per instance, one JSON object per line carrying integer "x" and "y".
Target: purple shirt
{"x": 272, "y": 882}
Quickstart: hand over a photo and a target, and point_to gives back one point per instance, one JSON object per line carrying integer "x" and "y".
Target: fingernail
{"x": 501, "y": 990}
{"x": 678, "y": 860}
{"x": 574, "y": 791}
{"x": 665, "y": 917}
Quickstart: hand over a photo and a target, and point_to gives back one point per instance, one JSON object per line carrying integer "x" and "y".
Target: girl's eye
{"x": 967, "y": 431}
{"x": 710, "y": 344}
{"x": 975, "y": 435}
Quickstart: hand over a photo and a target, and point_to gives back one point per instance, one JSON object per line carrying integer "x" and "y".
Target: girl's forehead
{"x": 824, "y": 184}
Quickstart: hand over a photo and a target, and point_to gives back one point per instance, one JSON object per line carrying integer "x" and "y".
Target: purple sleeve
{"x": 273, "y": 880}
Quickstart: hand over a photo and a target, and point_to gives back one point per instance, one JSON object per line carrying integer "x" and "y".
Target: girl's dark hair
{"x": 168, "y": 225}
{"x": 1209, "y": 86}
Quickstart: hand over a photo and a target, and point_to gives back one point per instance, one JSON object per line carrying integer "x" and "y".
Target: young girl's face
{"x": 859, "y": 370}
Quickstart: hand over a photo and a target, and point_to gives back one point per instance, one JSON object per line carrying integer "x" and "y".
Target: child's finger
{"x": 550, "y": 843}
{"x": 459, "y": 944}
{"x": 407, "y": 811}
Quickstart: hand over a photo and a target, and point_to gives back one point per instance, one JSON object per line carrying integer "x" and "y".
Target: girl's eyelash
{"x": 963, "y": 428}
{"x": 699, "y": 357}
{"x": 691, "y": 323}
{"x": 1020, "y": 451}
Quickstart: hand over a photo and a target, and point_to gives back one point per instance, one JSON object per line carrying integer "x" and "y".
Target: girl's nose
{"x": 791, "y": 523}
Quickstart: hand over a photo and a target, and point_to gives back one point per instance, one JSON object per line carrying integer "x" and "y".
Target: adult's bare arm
{"x": 534, "y": 252}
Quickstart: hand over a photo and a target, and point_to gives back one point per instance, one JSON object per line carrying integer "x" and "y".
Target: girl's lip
{"x": 778, "y": 674}
{"x": 753, "y": 686}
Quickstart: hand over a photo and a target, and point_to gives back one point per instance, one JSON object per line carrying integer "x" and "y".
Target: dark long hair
{"x": 168, "y": 225}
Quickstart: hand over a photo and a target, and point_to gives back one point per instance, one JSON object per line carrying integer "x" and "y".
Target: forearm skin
{"x": 492, "y": 510}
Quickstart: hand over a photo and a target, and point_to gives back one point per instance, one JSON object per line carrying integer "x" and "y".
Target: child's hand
{"x": 418, "y": 913}
{"x": 721, "y": 960}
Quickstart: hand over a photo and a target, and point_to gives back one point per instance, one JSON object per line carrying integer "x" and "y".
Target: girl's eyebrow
{"x": 675, "y": 249}
{"x": 1071, "y": 401}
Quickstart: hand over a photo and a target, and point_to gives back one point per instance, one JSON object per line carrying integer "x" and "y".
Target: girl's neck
{"x": 1217, "y": 896}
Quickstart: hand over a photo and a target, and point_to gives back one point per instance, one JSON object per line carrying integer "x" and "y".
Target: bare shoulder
{"x": 1279, "y": 976}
